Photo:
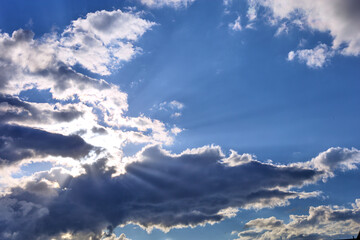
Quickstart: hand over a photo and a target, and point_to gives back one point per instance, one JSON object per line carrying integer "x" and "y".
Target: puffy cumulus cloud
{"x": 78, "y": 104}
{"x": 158, "y": 190}
{"x": 322, "y": 222}
{"x": 336, "y": 158}
{"x": 338, "y": 18}
{"x": 236, "y": 159}
{"x": 167, "y": 3}
{"x": 314, "y": 58}
{"x": 102, "y": 39}
{"x": 28, "y": 63}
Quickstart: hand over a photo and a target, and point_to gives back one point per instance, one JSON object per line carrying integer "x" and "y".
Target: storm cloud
{"x": 159, "y": 190}
{"x": 18, "y": 142}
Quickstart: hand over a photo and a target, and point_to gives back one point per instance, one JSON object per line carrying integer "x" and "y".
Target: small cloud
{"x": 282, "y": 29}
{"x": 175, "y": 130}
{"x": 313, "y": 58}
{"x": 176, "y": 105}
{"x": 134, "y": 84}
{"x": 236, "y": 26}
{"x": 176, "y": 115}
{"x": 174, "y": 108}
{"x": 167, "y": 3}
{"x": 251, "y": 13}
{"x": 30, "y": 23}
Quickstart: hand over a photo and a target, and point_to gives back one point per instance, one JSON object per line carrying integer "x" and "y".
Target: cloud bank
{"x": 158, "y": 190}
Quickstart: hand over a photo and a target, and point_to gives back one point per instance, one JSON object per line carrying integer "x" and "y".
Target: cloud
{"x": 17, "y": 143}
{"x": 176, "y": 105}
{"x": 322, "y": 222}
{"x": 102, "y": 39}
{"x": 173, "y": 107}
{"x": 236, "y": 159}
{"x": 314, "y": 58}
{"x": 78, "y": 104}
{"x": 336, "y": 158}
{"x": 167, "y": 3}
{"x": 236, "y": 26}
{"x": 337, "y": 18}
{"x": 120, "y": 237}
{"x": 12, "y": 109}
{"x": 154, "y": 188}
{"x": 158, "y": 190}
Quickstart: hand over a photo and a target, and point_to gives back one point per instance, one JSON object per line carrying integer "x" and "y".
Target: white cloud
{"x": 338, "y": 18}
{"x": 176, "y": 105}
{"x": 236, "y": 26}
{"x": 46, "y": 63}
{"x": 175, "y": 130}
{"x": 236, "y": 159}
{"x": 167, "y": 3}
{"x": 336, "y": 158}
{"x": 322, "y": 223}
{"x": 173, "y": 107}
{"x": 102, "y": 39}
{"x": 314, "y": 58}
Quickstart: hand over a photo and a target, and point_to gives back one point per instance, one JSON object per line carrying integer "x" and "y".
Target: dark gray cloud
{"x": 158, "y": 189}
{"x": 14, "y": 109}
{"x": 99, "y": 130}
{"x": 18, "y": 142}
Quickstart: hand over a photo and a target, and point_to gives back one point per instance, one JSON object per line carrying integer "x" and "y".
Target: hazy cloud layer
{"x": 322, "y": 223}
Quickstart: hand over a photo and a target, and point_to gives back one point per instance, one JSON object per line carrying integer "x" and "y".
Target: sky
{"x": 179, "y": 119}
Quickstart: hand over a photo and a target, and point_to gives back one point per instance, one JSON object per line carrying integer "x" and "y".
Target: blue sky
{"x": 179, "y": 119}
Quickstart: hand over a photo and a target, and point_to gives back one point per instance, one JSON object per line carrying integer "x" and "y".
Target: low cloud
{"x": 322, "y": 223}
{"x": 18, "y": 142}
{"x": 158, "y": 190}
{"x": 12, "y": 109}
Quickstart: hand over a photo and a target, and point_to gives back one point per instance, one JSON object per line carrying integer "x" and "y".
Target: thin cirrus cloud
{"x": 338, "y": 18}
